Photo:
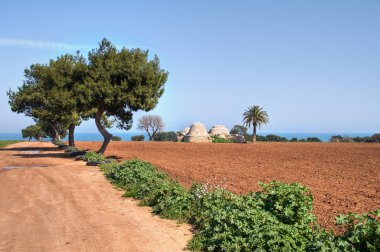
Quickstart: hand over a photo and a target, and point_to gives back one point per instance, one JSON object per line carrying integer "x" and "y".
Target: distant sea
{"x": 325, "y": 137}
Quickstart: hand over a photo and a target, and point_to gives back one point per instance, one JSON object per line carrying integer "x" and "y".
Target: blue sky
{"x": 313, "y": 65}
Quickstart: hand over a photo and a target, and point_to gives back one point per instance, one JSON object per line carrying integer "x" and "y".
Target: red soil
{"x": 343, "y": 177}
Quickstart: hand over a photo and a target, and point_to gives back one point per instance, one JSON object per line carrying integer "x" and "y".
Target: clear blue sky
{"x": 313, "y": 65}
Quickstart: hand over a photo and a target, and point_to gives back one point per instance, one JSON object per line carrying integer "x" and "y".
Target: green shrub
{"x": 362, "y": 232}
{"x": 278, "y": 218}
{"x": 170, "y": 136}
{"x": 116, "y": 138}
{"x": 217, "y": 139}
{"x": 138, "y": 138}
{"x": 313, "y": 139}
{"x": 142, "y": 181}
{"x": 275, "y": 138}
{"x": 71, "y": 149}
{"x": 94, "y": 157}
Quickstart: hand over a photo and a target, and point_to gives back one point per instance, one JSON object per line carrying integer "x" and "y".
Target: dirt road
{"x": 52, "y": 203}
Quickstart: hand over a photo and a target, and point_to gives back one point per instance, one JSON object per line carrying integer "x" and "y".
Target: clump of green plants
{"x": 94, "y": 157}
{"x": 362, "y": 231}
{"x": 170, "y": 136}
{"x": 217, "y": 139}
{"x": 138, "y": 138}
{"x": 142, "y": 181}
{"x": 277, "y": 218}
{"x": 71, "y": 149}
{"x": 116, "y": 138}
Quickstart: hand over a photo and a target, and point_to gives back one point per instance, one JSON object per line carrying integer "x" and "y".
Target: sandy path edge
{"x": 52, "y": 203}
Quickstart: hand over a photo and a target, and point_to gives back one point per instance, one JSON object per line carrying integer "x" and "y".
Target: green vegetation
{"x": 138, "y": 138}
{"x": 34, "y": 131}
{"x": 121, "y": 82}
{"x": 94, "y": 157}
{"x": 170, "y": 136}
{"x": 4, "y": 143}
{"x": 109, "y": 86}
{"x": 116, "y": 138}
{"x": 313, "y": 139}
{"x": 239, "y": 129}
{"x": 256, "y": 116}
{"x": 375, "y": 138}
{"x": 48, "y": 95}
{"x": 217, "y": 139}
{"x": 278, "y": 218}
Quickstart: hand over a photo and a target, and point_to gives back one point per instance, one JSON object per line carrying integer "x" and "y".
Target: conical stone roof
{"x": 197, "y": 134}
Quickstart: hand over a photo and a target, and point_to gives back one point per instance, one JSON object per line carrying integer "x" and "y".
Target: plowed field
{"x": 342, "y": 177}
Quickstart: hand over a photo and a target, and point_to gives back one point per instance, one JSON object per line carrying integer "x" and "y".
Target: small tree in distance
{"x": 151, "y": 124}
{"x": 33, "y": 131}
{"x": 240, "y": 130}
{"x": 256, "y": 116}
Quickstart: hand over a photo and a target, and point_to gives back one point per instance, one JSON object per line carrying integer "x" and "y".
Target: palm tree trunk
{"x": 254, "y": 133}
{"x": 106, "y": 135}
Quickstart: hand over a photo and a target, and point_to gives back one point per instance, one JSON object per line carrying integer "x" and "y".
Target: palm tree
{"x": 256, "y": 116}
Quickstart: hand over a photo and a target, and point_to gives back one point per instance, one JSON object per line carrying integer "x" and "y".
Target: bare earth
{"x": 52, "y": 203}
{"x": 342, "y": 177}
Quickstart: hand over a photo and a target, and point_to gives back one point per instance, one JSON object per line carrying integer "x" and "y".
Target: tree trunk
{"x": 71, "y": 135}
{"x": 254, "y": 133}
{"x": 57, "y": 135}
{"x": 106, "y": 135}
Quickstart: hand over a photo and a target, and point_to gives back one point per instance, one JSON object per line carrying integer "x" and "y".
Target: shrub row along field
{"x": 343, "y": 177}
{"x": 277, "y": 218}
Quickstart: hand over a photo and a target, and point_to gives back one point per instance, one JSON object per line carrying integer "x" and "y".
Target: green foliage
{"x": 33, "y": 131}
{"x": 116, "y": 138}
{"x": 362, "y": 231}
{"x": 256, "y": 116}
{"x": 170, "y": 136}
{"x": 375, "y": 138}
{"x": 313, "y": 139}
{"x": 138, "y": 138}
{"x": 294, "y": 139}
{"x": 71, "y": 149}
{"x": 48, "y": 94}
{"x": 118, "y": 83}
{"x": 4, "y": 143}
{"x": 142, "y": 181}
{"x": 217, "y": 139}
{"x": 275, "y": 138}
{"x": 94, "y": 157}
{"x": 278, "y": 218}
{"x": 239, "y": 129}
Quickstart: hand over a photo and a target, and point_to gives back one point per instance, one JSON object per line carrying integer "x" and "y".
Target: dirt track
{"x": 51, "y": 203}
{"x": 342, "y": 177}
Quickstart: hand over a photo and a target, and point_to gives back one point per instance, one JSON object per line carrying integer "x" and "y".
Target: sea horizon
{"x": 126, "y": 136}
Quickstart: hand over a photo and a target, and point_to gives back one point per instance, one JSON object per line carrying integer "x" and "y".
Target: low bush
{"x": 70, "y": 149}
{"x": 277, "y": 218}
{"x": 217, "y": 139}
{"x": 362, "y": 231}
{"x": 313, "y": 139}
{"x": 116, "y": 138}
{"x": 138, "y": 138}
{"x": 170, "y": 136}
{"x": 94, "y": 157}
